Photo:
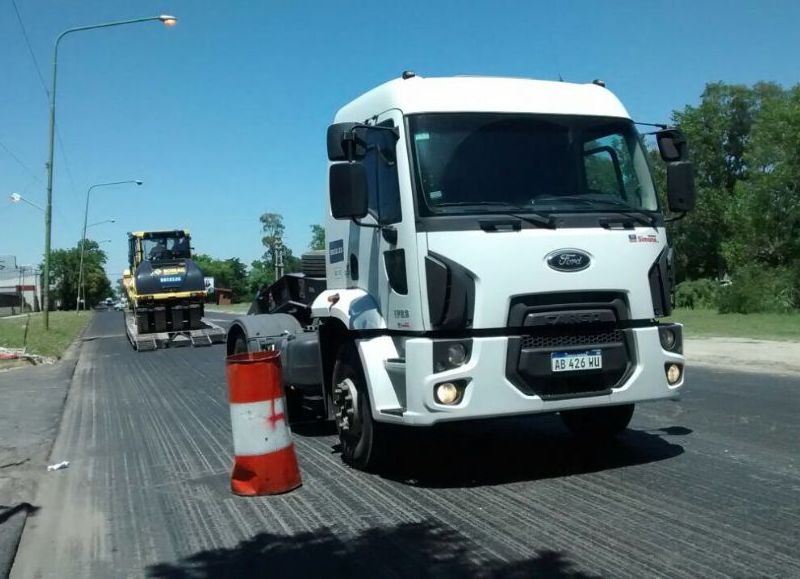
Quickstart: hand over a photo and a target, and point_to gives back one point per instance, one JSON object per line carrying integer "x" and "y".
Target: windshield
{"x": 170, "y": 246}
{"x": 479, "y": 162}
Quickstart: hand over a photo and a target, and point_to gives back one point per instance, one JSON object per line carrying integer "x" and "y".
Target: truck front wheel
{"x": 600, "y": 423}
{"x": 360, "y": 436}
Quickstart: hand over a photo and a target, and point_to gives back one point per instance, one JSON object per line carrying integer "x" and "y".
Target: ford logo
{"x": 568, "y": 260}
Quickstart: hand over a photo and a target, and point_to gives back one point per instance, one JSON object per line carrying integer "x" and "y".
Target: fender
{"x": 355, "y": 308}
{"x": 263, "y": 330}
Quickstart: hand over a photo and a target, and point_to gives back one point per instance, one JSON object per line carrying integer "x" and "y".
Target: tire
{"x": 362, "y": 440}
{"x": 313, "y": 263}
{"x": 598, "y": 424}
{"x": 294, "y": 406}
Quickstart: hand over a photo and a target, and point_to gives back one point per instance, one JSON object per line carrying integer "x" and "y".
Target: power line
{"x": 30, "y": 49}
{"x": 46, "y": 94}
{"x": 21, "y": 164}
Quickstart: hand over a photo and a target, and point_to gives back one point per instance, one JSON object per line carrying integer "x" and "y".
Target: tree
{"x": 260, "y": 275}
{"x": 238, "y": 278}
{"x": 765, "y": 209}
{"x": 317, "y": 237}
{"x": 65, "y": 267}
{"x": 273, "y": 229}
{"x": 230, "y": 274}
{"x": 720, "y": 133}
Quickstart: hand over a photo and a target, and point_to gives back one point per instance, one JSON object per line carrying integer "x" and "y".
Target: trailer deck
{"x": 209, "y": 334}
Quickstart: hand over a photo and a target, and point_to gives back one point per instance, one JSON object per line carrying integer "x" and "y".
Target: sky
{"x": 223, "y": 117}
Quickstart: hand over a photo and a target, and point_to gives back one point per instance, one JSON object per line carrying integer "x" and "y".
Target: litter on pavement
{"x": 58, "y": 466}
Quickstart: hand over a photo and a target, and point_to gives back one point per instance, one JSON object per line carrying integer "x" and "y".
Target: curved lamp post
{"x": 168, "y": 21}
{"x": 83, "y": 237}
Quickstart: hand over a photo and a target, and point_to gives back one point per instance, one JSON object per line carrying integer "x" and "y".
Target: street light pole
{"x": 83, "y": 237}
{"x": 16, "y": 198}
{"x": 168, "y": 21}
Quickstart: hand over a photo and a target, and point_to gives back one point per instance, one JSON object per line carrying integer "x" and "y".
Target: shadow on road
{"x": 8, "y": 512}
{"x": 516, "y": 449}
{"x": 413, "y": 549}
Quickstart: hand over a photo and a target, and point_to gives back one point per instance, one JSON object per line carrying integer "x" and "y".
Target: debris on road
{"x": 58, "y": 466}
{"x": 22, "y": 354}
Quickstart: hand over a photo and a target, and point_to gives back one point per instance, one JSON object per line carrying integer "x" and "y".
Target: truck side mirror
{"x": 680, "y": 186}
{"x": 672, "y": 145}
{"x": 344, "y": 144}
{"x": 348, "y": 190}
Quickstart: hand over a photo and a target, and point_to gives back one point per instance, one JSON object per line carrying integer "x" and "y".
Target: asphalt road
{"x": 704, "y": 487}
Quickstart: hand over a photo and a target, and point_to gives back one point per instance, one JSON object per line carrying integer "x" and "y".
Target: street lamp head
{"x": 138, "y": 182}
{"x": 168, "y": 20}
{"x": 15, "y": 197}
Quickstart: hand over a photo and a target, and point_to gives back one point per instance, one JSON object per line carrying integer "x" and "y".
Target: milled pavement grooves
{"x": 705, "y": 486}
{"x": 31, "y": 407}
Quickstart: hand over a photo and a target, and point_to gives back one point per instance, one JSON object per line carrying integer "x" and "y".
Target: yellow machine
{"x": 165, "y": 288}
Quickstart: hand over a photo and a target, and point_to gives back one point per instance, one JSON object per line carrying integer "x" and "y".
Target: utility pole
{"x": 278, "y": 258}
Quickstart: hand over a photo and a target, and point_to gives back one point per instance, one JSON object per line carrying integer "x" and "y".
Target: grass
{"x": 64, "y": 328}
{"x": 232, "y": 308}
{"x": 708, "y": 323}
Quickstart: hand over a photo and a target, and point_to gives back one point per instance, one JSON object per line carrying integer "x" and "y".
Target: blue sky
{"x": 223, "y": 117}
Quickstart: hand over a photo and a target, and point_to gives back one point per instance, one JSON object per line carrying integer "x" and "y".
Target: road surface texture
{"x": 704, "y": 487}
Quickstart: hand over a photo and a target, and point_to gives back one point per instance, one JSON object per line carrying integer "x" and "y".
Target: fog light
{"x": 447, "y": 393}
{"x": 673, "y": 373}
{"x": 456, "y": 354}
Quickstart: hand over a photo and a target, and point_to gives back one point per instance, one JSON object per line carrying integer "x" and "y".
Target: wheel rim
{"x": 348, "y": 420}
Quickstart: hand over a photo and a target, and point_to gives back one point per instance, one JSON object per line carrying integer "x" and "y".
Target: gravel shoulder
{"x": 744, "y": 354}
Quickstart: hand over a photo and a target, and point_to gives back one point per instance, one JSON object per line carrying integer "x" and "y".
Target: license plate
{"x": 576, "y": 361}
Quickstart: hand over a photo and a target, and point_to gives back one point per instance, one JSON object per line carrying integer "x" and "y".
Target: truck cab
{"x": 495, "y": 247}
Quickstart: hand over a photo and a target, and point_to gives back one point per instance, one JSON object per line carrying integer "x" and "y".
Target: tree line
{"x": 232, "y": 274}
{"x": 65, "y": 272}
{"x": 739, "y": 251}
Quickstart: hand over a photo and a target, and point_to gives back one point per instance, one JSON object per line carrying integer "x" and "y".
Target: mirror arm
{"x": 389, "y": 234}
{"x": 674, "y": 218}
{"x": 362, "y": 224}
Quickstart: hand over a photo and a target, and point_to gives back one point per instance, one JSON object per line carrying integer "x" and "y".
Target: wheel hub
{"x": 345, "y": 398}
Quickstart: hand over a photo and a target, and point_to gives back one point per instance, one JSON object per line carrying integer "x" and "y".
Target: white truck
{"x": 495, "y": 247}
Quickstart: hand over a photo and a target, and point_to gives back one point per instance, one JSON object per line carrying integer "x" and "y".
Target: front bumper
{"x": 490, "y": 393}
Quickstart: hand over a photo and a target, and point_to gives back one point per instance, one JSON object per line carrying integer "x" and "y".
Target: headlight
{"x": 671, "y": 338}
{"x": 456, "y": 354}
{"x": 449, "y": 354}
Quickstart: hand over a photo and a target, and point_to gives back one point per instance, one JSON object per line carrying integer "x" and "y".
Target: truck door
{"x": 383, "y": 252}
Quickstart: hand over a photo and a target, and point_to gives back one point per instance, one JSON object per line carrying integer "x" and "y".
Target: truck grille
{"x": 583, "y": 338}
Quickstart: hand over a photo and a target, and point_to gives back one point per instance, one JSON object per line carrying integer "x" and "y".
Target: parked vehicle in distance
{"x": 495, "y": 247}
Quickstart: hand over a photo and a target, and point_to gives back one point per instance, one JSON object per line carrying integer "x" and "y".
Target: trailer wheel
{"x": 598, "y": 424}
{"x": 362, "y": 439}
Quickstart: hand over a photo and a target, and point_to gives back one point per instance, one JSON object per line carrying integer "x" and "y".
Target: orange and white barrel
{"x": 264, "y": 459}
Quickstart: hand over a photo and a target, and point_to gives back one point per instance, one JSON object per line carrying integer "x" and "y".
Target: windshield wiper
{"x": 623, "y": 208}
{"x": 529, "y": 216}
